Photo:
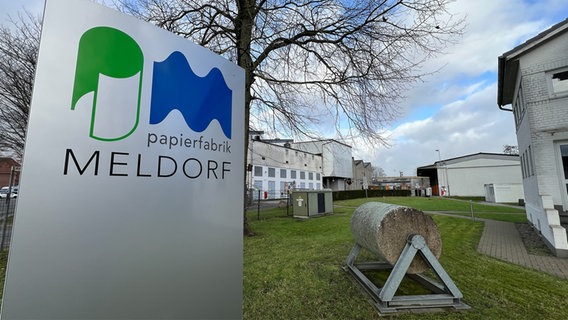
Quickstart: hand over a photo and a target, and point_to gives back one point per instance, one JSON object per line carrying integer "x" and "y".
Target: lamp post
{"x": 440, "y": 165}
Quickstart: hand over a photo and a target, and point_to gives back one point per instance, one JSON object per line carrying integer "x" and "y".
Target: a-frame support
{"x": 444, "y": 296}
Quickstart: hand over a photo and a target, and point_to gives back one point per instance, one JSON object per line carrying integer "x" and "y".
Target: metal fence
{"x": 256, "y": 194}
{"x": 7, "y": 207}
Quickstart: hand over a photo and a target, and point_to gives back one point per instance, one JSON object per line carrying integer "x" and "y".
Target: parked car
{"x": 4, "y": 192}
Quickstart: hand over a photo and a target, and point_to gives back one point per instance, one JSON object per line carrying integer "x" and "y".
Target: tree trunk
{"x": 244, "y": 26}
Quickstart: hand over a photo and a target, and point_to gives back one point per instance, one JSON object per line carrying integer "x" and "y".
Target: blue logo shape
{"x": 199, "y": 99}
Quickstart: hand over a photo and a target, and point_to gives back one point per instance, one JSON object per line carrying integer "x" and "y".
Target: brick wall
{"x": 545, "y": 124}
{"x": 5, "y": 167}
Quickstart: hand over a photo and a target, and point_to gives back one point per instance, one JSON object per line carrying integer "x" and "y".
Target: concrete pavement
{"x": 501, "y": 240}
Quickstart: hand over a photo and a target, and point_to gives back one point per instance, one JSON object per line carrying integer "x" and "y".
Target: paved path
{"x": 501, "y": 240}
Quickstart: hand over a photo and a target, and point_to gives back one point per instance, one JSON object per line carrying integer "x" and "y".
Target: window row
{"x": 527, "y": 167}
{"x": 287, "y": 173}
{"x": 300, "y": 154}
{"x": 285, "y": 186}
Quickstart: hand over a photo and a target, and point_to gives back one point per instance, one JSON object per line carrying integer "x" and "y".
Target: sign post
{"x": 129, "y": 205}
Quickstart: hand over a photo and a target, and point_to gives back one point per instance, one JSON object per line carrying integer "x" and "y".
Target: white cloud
{"x": 471, "y": 125}
{"x": 493, "y": 27}
{"x": 455, "y": 110}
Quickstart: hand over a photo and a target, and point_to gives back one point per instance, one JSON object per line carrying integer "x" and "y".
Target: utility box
{"x": 309, "y": 203}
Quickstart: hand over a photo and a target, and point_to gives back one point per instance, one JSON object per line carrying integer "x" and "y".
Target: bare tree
{"x": 510, "y": 149}
{"x": 307, "y": 61}
{"x": 19, "y": 43}
{"x": 378, "y": 172}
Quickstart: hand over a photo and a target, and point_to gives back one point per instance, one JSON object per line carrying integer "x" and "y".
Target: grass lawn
{"x": 435, "y": 204}
{"x": 449, "y": 206}
{"x": 292, "y": 269}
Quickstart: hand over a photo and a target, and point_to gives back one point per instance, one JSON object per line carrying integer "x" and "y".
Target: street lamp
{"x": 442, "y": 165}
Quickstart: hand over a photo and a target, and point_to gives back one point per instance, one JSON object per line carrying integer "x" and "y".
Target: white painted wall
{"x": 275, "y": 167}
{"x": 504, "y": 192}
{"x": 337, "y": 160}
{"x": 468, "y": 177}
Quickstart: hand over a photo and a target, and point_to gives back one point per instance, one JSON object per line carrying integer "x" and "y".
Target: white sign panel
{"x": 129, "y": 206}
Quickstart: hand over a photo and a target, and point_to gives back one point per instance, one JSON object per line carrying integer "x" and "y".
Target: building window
{"x": 310, "y": 176}
{"x": 531, "y": 163}
{"x": 302, "y": 175}
{"x": 317, "y": 176}
{"x": 559, "y": 82}
{"x": 519, "y": 107}
{"x": 257, "y": 171}
{"x": 527, "y": 164}
{"x": 271, "y": 172}
{"x": 271, "y": 189}
{"x": 293, "y": 174}
{"x": 523, "y": 168}
{"x": 564, "y": 155}
{"x": 282, "y": 173}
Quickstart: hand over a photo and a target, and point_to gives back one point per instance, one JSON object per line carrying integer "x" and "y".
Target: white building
{"x": 533, "y": 80}
{"x": 275, "y": 169}
{"x": 337, "y": 161}
{"x": 467, "y": 176}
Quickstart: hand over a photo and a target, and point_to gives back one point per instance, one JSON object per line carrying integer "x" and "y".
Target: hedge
{"x": 356, "y": 194}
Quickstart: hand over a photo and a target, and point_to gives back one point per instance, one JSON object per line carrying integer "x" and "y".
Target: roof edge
{"x": 508, "y": 63}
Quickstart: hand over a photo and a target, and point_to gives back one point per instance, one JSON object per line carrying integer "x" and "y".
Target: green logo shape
{"x": 110, "y": 52}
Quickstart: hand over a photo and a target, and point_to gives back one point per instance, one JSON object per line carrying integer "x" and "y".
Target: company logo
{"x": 200, "y": 100}
{"x": 108, "y": 59}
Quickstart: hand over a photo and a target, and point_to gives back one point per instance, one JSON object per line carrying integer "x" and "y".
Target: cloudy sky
{"x": 455, "y": 110}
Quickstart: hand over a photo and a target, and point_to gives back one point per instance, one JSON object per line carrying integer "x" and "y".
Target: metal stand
{"x": 444, "y": 296}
